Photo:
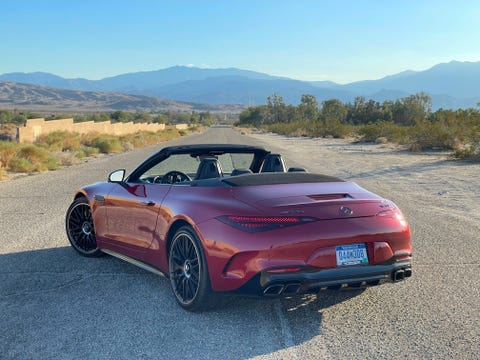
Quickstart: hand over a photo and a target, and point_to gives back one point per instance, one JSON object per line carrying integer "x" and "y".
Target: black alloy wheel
{"x": 80, "y": 229}
{"x": 188, "y": 271}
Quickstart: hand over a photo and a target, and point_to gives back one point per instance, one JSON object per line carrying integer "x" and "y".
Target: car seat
{"x": 273, "y": 163}
{"x": 240, "y": 171}
{"x": 209, "y": 168}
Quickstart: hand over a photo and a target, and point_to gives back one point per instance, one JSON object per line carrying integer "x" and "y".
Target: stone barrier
{"x": 36, "y": 127}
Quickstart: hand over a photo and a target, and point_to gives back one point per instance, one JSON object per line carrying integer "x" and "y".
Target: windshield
{"x": 188, "y": 165}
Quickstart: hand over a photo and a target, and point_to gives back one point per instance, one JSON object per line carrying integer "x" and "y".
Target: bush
{"x": 127, "y": 146}
{"x": 432, "y": 135}
{"x": 51, "y": 163}
{"x": 60, "y": 141}
{"x": 108, "y": 144}
{"x": 383, "y": 129}
{"x": 33, "y": 153}
{"x": 36, "y": 159}
{"x": 336, "y": 129}
{"x": 468, "y": 153}
{"x": 20, "y": 165}
{"x": 87, "y": 151}
{"x": 67, "y": 158}
{"x": 39, "y": 157}
{"x": 289, "y": 129}
{"x": 8, "y": 151}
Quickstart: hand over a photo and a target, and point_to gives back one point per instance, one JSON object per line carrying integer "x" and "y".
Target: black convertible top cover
{"x": 278, "y": 178}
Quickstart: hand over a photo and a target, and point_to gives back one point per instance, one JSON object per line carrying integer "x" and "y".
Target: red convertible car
{"x": 232, "y": 218}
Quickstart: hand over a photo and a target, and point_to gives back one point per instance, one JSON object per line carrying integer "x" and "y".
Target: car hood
{"x": 320, "y": 200}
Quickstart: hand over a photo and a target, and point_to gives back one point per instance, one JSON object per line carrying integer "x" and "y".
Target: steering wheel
{"x": 174, "y": 176}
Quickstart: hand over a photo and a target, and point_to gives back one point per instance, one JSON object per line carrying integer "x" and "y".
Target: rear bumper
{"x": 310, "y": 280}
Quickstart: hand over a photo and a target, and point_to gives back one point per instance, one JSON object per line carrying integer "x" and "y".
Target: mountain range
{"x": 451, "y": 85}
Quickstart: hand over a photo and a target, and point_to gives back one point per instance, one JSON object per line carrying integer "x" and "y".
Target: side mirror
{"x": 116, "y": 176}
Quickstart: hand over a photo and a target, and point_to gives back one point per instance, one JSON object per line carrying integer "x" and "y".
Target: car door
{"x": 132, "y": 212}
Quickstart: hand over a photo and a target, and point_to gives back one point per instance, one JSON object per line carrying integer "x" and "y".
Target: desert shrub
{"x": 168, "y": 134}
{"x": 51, "y": 163}
{"x": 468, "y": 153}
{"x": 381, "y": 140}
{"x": 383, "y": 129}
{"x": 332, "y": 128}
{"x": 289, "y": 129}
{"x": 60, "y": 141}
{"x": 127, "y": 146}
{"x": 41, "y": 155}
{"x": 89, "y": 150}
{"x": 40, "y": 158}
{"x": 432, "y": 135}
{"x": 107, "y": 144}
{"x": 137, "y": 140}
{"x": 88, "y": 139}
{"x": 8, "y": 150}
{"x": 33, "y": 153}
{"x": 86, "y": 151}
{"x": 67, "y": 158}
{"x": 20, "y": 165}
{"x": 149, "y": 137}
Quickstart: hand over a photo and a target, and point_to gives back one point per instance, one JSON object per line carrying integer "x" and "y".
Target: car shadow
{"x": 55, "y": 303}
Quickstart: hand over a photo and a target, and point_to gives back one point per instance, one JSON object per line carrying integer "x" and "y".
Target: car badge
{"x": 345, "y": 211}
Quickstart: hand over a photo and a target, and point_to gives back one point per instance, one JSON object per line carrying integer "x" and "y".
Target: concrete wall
{"x": 36, "y": 127}
{"x": 181, "y": 126}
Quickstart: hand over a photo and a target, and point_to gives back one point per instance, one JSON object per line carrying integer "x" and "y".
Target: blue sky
{"x": 342, "y": 41}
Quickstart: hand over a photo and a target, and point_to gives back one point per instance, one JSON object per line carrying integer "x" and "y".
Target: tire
{"x": 80, "y": 230}
{"x": 188, "y": 272}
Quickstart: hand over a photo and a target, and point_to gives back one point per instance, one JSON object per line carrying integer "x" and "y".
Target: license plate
{"x": 351, "y": 254}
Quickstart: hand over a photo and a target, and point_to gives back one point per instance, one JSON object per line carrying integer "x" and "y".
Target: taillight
{"x": 394, "y": 214}
{"x": 264, "y": 223}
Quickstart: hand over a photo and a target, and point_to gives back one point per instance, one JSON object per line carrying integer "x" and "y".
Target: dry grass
{"x": 64, "y": 148}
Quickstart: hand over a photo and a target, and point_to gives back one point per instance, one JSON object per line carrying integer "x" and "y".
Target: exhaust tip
{"x": 291, "y": 289}
{"x": 273, "y": 290}
{"x": 398, "y": 275}
{"x": 408, "y": 272}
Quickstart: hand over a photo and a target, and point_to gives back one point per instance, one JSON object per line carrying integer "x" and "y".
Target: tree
{"x": 412, "y": 109}
{"x": 275, "y": 109}
{"x": 206, "y": 118}
{"x": 121, "y": 116}
{"x": 252, "y": 116}
{"x": 333, "y": 110}
{"x": 332, "y": 117}
{"x": 161, "y": 119}
{"x": 142, "y": 117}
{"x": 308, "y": 108}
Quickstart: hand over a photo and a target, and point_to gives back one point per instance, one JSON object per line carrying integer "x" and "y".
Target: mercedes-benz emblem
{"x": 345, "y": 211}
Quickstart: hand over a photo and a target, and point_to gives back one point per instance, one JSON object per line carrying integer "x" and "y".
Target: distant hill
{"x": 238, "y": 89}
{"x": 454, "y": 79}
{"x": 138, "y": 82}
{"x": 451, "y": 85}
{"x": 36, "y": 97}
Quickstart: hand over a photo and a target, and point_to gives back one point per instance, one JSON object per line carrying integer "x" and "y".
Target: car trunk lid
{"x": 324, "y": 201}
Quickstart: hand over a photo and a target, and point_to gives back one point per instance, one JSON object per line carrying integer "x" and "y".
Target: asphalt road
{"x": 55, "y": 304}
